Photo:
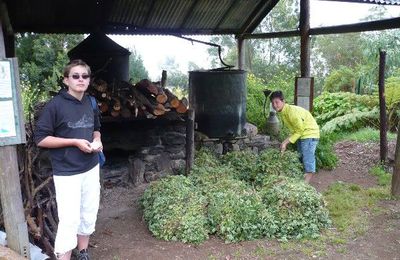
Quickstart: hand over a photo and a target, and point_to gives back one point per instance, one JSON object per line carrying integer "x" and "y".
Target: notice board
{"x": 12, "y": 127}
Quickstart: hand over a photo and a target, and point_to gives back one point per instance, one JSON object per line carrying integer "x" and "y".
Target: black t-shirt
{"x": 67, "y": 117}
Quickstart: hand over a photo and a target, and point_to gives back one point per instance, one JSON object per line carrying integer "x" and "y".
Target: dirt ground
{"x": 122, "y": 233}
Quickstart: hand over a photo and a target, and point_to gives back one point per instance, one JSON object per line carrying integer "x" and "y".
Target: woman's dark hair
{"x": 276, "y": 94}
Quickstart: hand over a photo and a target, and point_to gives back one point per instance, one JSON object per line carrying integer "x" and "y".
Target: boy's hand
{"x": 96, "y": 146}
{"x": 84, "y": 145}
{"x": 284, "y": 145}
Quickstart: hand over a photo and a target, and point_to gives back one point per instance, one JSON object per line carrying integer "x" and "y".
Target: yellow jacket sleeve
{"x": 300, "y": 123}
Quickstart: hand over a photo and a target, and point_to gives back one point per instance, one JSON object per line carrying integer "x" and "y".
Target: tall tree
{"x": 137, "y": 70}
{"x": 267, "y": 58}
{"x": 41, "y": 60}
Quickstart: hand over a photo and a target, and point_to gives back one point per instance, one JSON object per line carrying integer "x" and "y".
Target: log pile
{"x": 144, "y": 99}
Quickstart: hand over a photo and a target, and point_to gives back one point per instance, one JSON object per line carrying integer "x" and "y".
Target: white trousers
{"x": 78, "y": 198}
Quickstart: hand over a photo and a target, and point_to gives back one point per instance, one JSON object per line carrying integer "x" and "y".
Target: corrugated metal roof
{"x": 381, "y": 2}
{"x": 138, "y": 16}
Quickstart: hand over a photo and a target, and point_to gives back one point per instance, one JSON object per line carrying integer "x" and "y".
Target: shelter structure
{"x": 155, "y": 17}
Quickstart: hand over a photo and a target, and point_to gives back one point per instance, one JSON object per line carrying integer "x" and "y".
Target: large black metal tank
{"x": 106, "y": 58}
{"x": 219, "y": 100}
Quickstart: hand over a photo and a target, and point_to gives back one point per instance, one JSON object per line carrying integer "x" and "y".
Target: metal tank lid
{"x": 218, "y": 71}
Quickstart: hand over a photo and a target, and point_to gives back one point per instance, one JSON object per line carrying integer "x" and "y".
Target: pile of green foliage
{"x": 179, "y": 214}
{"x": 298, "y": 209}
{"x": 248, "y": 166}
{"x": 240, "y": 196}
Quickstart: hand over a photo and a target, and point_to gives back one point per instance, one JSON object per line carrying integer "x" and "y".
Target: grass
{"x": 384, "y": 178}
{"x": 350, "y": 205}
{"x": 363, "y": 135}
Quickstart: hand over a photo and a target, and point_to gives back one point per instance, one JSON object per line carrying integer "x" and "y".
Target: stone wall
{"x": 148, "y": 150}
{"x": 152, "y": 149}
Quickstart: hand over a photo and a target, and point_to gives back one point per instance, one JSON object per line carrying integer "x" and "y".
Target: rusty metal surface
{"x": 137, "y": 16}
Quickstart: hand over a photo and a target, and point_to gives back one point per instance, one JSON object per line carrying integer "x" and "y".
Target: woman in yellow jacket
{"x": 303, "y": 128}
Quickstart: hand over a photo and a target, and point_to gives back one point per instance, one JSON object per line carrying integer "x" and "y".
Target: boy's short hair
{"x": 74, "y": 63}
{"x": 276, "y": 94}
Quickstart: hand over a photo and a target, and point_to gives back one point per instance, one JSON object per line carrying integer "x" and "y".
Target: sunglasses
{"x": 77, "y": 76}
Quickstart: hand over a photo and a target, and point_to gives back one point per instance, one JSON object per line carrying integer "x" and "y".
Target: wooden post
{"x": 241, "y": 53}
{"x": 382, "y": 107}
{"x": 396, "y": 169}
{"x": 10, "y": 191}
{"x": 189, "y": 141}
{"x": 305, "y": 38}
{"x": 164, "y": 78}
{"x": 11, "y": 202}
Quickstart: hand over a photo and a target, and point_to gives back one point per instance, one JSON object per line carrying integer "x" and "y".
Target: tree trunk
{"x": 396, "y": 170}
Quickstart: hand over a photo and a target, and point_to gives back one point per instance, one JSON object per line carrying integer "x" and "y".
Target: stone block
{"x": 173, "y": 138}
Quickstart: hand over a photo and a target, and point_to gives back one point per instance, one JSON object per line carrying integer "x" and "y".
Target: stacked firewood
{"x": 144, "y": 99}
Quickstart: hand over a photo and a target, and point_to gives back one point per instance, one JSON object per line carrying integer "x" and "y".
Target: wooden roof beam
{"x": 385, "y": 24}
{"x": 393, "y": 23}
{"x": 256, "y": 16}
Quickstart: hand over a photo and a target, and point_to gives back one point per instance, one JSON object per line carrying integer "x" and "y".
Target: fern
{"x": 331, "y": 105}
{"x": 354, "y": 120}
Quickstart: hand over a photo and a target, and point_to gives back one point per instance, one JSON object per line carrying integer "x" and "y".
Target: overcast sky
{"x": 155, "y": 49}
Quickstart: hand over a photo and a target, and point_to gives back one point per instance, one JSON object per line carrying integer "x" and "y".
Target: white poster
{"x": 7, "y": 119}
{"x": 5, "y": 80}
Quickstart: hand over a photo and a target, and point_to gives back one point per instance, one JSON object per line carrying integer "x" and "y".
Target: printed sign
{"x": 12, "y": 127}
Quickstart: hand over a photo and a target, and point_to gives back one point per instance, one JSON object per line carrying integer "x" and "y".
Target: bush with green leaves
{"x": 328, "y": 106}
{"x": 273, "y": 162}
{"x": 325, "y": 155}
{"x": 219, "y": 198}
{"x": 257, "y": 106}
{"x": 342, "y": 79}
{"x": 298, "y": 209}
{"x": 175, "y": 210}
{"x": 253, "y": 168}
{"x": 353, "y": 121}
{"x": 255, "y": 102}
{"x": 236, "y": 216}
{"x": 392, "y": 94}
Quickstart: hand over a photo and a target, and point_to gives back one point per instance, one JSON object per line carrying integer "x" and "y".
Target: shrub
{"x": 352, "y": 121}
{"x": 392, "y": 94}
{"x": 328, "y": 106}
{"x": 298, "y": 209}
{"x": 219, "y": 198}
{"x": 175, "y": 210}
{"x": 236, "y": 216}
{"x": 254, "y": 168}
{"x": 342, "y": 79}
{"x": 255, "y": 102}
{"x": 325, "y": 155}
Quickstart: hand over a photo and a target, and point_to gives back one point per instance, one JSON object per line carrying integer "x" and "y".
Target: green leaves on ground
{"x": 179, "y": 213}
{"x": 241, "y": 196}
{"x": 248, "y": 165}
{"x": 298, "y": 208}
